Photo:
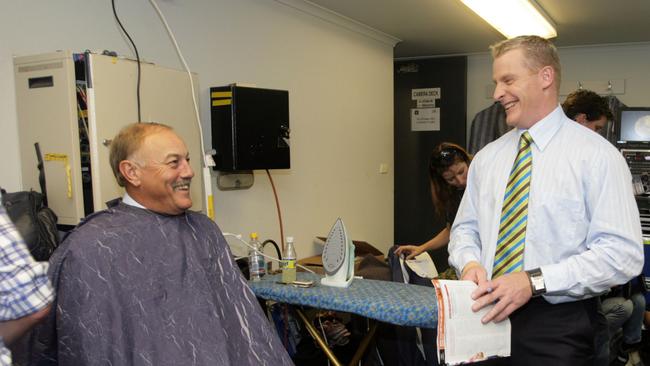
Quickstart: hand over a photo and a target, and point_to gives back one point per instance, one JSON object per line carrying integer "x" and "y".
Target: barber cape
{"x": 139, "y": 288}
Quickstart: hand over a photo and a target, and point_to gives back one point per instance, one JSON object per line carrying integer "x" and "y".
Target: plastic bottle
{"x": 289, "y": 262}
{"x": 256, "y": 265}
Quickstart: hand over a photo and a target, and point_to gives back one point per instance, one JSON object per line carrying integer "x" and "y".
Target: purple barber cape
{"x": 139, "y": 288}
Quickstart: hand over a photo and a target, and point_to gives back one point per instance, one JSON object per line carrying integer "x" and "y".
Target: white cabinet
{"x": 56, "y": 91}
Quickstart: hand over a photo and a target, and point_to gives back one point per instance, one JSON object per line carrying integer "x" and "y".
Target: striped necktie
{"x": 509, "y": 256}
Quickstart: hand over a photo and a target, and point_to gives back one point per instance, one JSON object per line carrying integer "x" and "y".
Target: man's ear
{"x": 581, "y": 118}
{"x": 131, "y": 172}
{"x": 547, "y": 75}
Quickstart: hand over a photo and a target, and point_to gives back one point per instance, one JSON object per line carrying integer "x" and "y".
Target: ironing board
{"x": 390, "y": 302}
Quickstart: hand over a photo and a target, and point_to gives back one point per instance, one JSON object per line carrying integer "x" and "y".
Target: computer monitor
{"x": 633, "y": 128}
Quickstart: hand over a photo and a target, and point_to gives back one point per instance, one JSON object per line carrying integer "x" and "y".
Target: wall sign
{"x": 426, "y": 117}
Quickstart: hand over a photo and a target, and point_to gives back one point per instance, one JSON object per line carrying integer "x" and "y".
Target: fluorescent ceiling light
{"x": 513, "y": 18}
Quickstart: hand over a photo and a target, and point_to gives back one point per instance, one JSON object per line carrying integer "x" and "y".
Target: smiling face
{"x": 456, "y": 175}
{"x": 161, "y": 174}
{"x": 525, "y": 94}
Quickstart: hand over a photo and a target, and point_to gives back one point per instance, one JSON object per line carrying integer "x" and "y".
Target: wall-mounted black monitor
{"x": 250, "y": 128}
{"x": 633, "y": 128}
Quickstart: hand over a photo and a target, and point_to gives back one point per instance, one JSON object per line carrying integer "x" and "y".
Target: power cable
{"x": 207, "y": 182}
{"x": 137, "y": 57}
{"x": 277, "y": 206}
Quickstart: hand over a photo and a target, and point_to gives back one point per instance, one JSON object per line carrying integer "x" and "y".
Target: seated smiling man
{"x": 148, "y": 282}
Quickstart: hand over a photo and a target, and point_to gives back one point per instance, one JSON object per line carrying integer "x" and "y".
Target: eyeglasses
{"x": 446, "y": 157}
{"x": 447, "y": 153}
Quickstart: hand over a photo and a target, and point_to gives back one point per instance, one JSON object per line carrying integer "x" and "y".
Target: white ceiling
{"x": 444, "y": 27}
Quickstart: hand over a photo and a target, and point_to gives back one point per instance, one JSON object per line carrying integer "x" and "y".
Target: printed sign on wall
{"x": 426, "y": 117}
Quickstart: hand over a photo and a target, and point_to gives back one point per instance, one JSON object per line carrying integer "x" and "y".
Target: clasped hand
{"x": 508, "y": 292}
{"x": 410, "y": 251}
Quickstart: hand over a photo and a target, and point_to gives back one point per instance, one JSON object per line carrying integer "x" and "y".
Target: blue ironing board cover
{"x": 391, "y": 302}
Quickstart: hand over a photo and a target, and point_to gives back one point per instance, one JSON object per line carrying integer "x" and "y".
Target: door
{"x": 165, "y": 97}
{"x": 47, "y": 114}
{"x": 430, "y": 107}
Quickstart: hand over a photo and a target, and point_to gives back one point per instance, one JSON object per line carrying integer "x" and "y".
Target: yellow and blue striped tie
{"x": 509, "y": 256}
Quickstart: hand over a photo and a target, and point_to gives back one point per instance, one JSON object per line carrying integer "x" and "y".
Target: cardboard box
{"x": 362, "y": 248}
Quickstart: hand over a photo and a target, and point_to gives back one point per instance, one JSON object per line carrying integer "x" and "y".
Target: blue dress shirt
{"x": 583, "y": 230}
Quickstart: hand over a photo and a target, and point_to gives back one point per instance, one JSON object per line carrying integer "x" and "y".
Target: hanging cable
{"x": 277, "y": 205}
{"x": 238, "y": 237}
{"x": 187, "y": 69}
{"x": 207, "y": 182}
{"x": 137, "y": 58}
{"x": 82, "y": 95}
{"x": 275, "y": 245}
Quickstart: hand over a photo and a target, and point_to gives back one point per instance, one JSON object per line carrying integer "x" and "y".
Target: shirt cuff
{"x": 461, "y": 260}
{"x": 30, "y": 293}
{"x": 555, "y": 278}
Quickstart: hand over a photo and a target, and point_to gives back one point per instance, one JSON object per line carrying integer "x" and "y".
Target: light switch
{"x": 383, "y": 168}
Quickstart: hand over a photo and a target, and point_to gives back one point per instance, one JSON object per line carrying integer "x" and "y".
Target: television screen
{"x": 634, "y": 126}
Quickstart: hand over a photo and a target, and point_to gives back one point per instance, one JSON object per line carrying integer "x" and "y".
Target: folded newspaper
{"x": 462, "y": 338}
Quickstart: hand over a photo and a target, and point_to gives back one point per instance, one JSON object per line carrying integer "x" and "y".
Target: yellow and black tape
{"x": 66, "y": 165}
{"x": 221, "y": 98}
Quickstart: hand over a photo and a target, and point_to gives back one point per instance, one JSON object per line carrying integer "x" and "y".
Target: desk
{"x": 390, "y": 302}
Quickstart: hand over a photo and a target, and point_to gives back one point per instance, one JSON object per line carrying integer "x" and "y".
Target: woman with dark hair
{"x": 448, "y": 166}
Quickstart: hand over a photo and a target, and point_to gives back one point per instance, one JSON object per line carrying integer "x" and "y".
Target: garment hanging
{"x": 487, "y": 126}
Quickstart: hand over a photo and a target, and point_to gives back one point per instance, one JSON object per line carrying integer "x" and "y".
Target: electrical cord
{"x": 82, "y": 95}
{"x": 277, "y": 206}
{"x": 83, "y": 120}
{"x": 238, "y": 237}
{"x": 189, "y": 73}
{"x": 137, "y": 57}
{"x": 277, "y": 249}
{"x": 205, "y": 158}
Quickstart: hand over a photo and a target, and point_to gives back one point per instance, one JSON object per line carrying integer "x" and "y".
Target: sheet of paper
{"x": 422, "y": 265}
{"x": 466, "y": 339}
{"x": 425, "y": 119}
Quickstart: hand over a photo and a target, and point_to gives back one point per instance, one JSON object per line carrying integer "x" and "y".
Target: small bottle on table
{"x": 256, "y": 265}
{"x": 289, "y": 262}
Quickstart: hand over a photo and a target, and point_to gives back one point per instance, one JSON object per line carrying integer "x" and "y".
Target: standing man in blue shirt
{"x": 25, "y": 292}
{"x": 548, "y": 220}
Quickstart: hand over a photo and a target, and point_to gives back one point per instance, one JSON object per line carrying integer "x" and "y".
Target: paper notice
{"x": 425, "y": 119}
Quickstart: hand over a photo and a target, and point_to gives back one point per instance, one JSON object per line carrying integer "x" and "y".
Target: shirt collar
{"x": 130, "y": 201}
{"x": 544, "y": 129}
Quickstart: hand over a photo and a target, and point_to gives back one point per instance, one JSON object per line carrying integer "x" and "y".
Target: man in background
{"x": 587, "y": 108}
{"x": 621, "y": 307}
{"x": 25, "y": 292}
{"x": 548, "y": 220}
{"x": 149, "y": 282}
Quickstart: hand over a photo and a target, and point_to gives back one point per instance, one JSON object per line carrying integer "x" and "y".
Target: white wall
{"x": 629, "y": 62}
{"x": 341, "y": 99}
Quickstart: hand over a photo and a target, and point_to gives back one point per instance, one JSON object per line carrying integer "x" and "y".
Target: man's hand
{"x": 474, "y": 272}
{"x": 411, "y": 251}
{"x": 11, "y": 330}
{"x": 508, "y": 293}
